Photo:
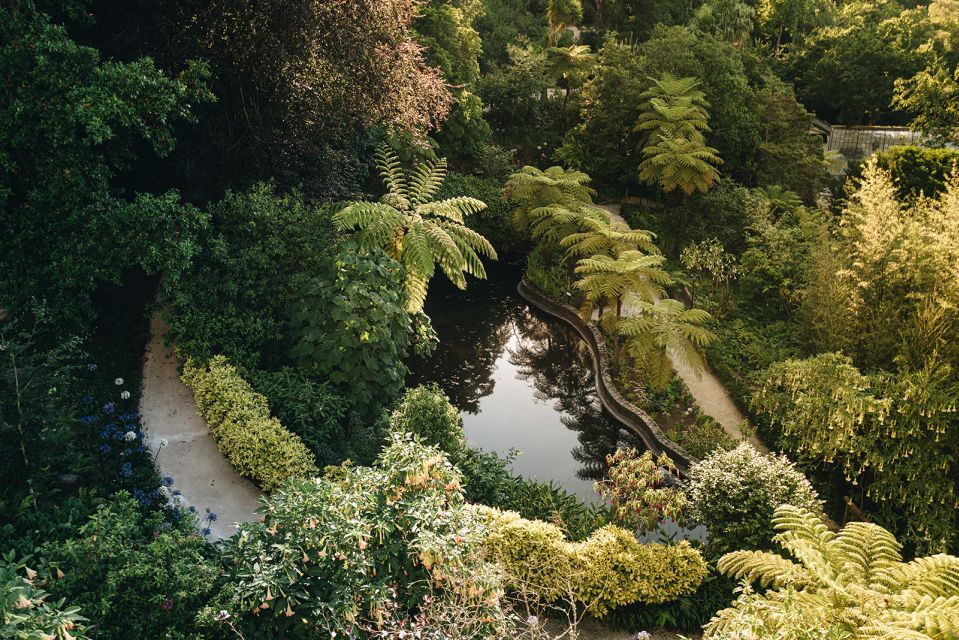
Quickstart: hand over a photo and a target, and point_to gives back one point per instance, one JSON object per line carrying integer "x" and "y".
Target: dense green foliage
{"x": 25, "y": 611}
{"x": 352, "y": 327}
{"x": 916, "y": 170}
{"x": 426, "y": 412}
{"x": 72, "y": 123}
{"x": 322, "y": 417}
{"x": 255, "y": 443}
{"x": 120, "y": 562}
{"x": 261, "y": 250}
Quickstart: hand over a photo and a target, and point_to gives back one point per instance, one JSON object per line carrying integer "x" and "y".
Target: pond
{"x": 521, "y": 380}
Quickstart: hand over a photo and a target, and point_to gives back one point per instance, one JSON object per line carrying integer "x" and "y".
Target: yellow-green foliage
{"x": 609, "y": 569}
{"x": 254, "y": 443}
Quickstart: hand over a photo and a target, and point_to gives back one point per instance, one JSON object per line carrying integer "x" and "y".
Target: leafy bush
{"x": 686, "y": 613}
{"x": 608, "y": 569}
{"x": 71, "y": 127}
{"x": 495, "y": 222}
{"x": 352, "y": 327}
{"x": 735, "y": 493}
{"x": 545, "y": 271}
{"x": 640, "y": 489}
{"x": 890, "y": 434}
{"x": 234, "y": 300}
{"x": 255, "y": 444}
{"x": 361, "y": 547}
{"x": 425, "y": 411}
{"x": 489, "y": 481}
{"x": 317, "y": 413}
{"x": 134, "y": 575}
{"x": 24, "y": 609}
{"x": 703, "y": 435}
{"x": 917, "y": 170}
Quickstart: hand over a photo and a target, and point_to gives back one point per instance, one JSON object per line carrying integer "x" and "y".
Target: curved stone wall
{"x": 631, "y": 416}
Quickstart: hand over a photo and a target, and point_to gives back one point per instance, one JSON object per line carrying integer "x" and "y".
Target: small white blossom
{"x": 118, "y": 381}
{"x": 532, "y": 621}
{"x": 129, "y": 436}
{"x": 164, "y": 442}
{"x": 124, "y": 395}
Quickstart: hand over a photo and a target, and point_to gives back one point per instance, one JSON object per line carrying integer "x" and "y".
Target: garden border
{"x": 628, "y": 414}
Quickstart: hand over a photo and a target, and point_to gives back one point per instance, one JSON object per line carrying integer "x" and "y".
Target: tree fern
{"x": 418, "y": 232}
{"x": 679, "y": 163}
{"x": 854, "y": 583}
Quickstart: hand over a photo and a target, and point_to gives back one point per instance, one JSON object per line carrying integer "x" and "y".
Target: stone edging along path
{"x": 631, "y": 416}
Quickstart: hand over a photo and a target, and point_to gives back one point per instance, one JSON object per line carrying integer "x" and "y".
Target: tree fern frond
{"x": 391, "y": 171}
{"x": 768, "y": 569}
{"x": 426, "y": 181}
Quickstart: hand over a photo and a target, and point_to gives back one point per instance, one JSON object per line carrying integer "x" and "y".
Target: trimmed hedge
{"x": 611, "y": 568}
{"x": 254, "y": 443}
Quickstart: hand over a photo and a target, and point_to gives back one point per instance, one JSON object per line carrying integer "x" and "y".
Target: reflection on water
{"x": 521, "y": 380}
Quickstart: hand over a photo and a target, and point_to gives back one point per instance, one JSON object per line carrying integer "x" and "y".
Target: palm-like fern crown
{"x": 680, "y": 163}
{"x": 605, "y": 237}
{"x": 551, "y": 202}
{"x": 656, "y": 331}
{"x": 566, "y": 61}
{"x": 416, "y": 230}
{"x": 675, "y": 108}
{"x": 609, "y": 278}
{"x": 856, "y": 579}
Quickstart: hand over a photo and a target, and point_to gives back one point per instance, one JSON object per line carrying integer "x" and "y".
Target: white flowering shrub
{"x": 734, "y": 494}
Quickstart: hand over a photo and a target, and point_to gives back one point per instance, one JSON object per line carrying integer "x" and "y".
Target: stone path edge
{"x": 629, "y": 415}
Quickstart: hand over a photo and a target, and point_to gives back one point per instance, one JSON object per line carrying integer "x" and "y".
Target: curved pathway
{"x": 710, "y": 394}
{"x": 201, "y": 473}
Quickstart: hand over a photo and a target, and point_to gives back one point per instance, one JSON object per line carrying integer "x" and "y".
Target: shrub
{"x": 425, "y": 411}
{"x": 495, "y": 222}
{"x": 135, "y": 576}
{"x": 338, "y": 556}
{"x": 641, "y": 489}
{"x": 490, "y": 482}
{"x": 25, "y": 611}
{"x": 255, "y": 444}
{"x": 734, "y": 494}
{"x": 547, "y": 274}
{"x": 917, "y": 170}
{"x": 352, "y": 328}
{"x": 608, "y": 569}
{"x": 234, "y": 300}
{"x": 317, "y": 413}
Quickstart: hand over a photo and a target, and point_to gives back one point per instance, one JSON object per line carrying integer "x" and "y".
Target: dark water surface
{"x": 521, "y": 381}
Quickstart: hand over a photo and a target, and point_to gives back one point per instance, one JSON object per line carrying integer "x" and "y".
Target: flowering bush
{"x": 363, "y": 549}
{"x": 426, "y": 412}
{"x": 642, "y": 491}
{"x": 734, "y": 494}
{"x": 25, "y": 611}
{"x": 136, "y": 575}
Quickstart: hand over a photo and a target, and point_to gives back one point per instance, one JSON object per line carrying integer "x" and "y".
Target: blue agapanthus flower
{"x": 205, "y": 531}
{"x": 126, "y": 470}
{"x": 89, "y": 419}
{"x": 167, "y": 481}
{"x": 105, "y": 448}
{"x": 109, "y": 408}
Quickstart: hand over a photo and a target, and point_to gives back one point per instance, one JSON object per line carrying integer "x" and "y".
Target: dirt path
{"x": 190, "y": 457}
{"x": 710, "y": 394}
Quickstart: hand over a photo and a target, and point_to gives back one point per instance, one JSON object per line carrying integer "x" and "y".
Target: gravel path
{"x": 710, "y": 394}
{"x": 201, "y": 473}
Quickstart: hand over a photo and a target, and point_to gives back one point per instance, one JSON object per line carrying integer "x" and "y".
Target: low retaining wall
{"x": 631, "y": 416}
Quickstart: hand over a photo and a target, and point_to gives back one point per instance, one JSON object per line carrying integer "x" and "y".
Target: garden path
{"x": 201, "y": 473}
{"x": 712, "y": 397}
